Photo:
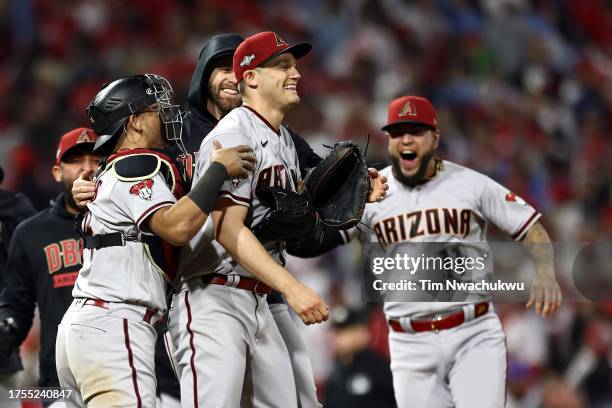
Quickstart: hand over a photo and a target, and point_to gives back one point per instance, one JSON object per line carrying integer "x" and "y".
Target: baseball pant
{"x": 300, "y": 360}
{"x": 106, "y": 356}
{"x": 229, "y": 352}
{"x": 462, "y": 367}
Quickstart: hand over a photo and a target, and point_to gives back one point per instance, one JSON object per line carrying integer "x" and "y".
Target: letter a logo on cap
{"x": 408, "y": 110}
{"x": 85, "y": 137}
{"x": 279, "y": 41}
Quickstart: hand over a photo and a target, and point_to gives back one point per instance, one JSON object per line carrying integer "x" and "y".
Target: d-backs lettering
{"x": 63, "y": 255}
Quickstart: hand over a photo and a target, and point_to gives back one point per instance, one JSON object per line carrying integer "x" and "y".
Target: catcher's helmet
{"x": 123, "y": 97}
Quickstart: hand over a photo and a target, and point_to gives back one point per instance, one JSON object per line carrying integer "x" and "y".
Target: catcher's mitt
{"x": 340, "y": 186}
{"x": 290, "y": 215}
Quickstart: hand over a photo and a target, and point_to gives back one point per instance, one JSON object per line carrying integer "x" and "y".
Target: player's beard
{"x": 224, "y": 104}
{"x": 68, "y": 194}
{"x": 416, "y": 178}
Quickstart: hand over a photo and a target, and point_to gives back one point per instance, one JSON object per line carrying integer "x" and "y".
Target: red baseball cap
{"x": 411, "y": 109}
{"x": 72, "y": 139}
{"x": 262, "y": 47}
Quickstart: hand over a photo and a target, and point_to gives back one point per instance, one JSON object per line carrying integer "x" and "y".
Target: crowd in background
{"x": 523, "y": 91}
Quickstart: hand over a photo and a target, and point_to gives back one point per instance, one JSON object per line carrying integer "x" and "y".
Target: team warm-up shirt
{"x": 277, "y": 165}
{"x": 123, "y": 273}
{"x": 453, "y": 207}
{"x": 43, "y": 263}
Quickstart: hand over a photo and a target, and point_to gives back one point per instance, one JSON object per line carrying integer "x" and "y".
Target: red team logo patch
{"x": 511, "y": 197}
{"x": 143, "y": 189}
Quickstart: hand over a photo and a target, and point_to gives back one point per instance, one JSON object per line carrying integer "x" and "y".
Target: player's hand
{"x": 545, "y": 295}
{"x": 378, "y": 186}
{"x": 83, "y": 190}
{"x": 307, "y": 304}
{"x": 238, "y": 160}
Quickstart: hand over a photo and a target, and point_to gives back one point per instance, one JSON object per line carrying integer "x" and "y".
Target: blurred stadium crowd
{"x": 523, "y": 91}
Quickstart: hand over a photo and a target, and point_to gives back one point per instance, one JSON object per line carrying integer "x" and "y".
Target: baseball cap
{"x": 411, "y": 109}
{"x": 262, "y": 47}
{"x": 72, "y": 139}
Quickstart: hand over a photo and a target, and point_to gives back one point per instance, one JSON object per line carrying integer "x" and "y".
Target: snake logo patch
{"x": 143, "y": 189}
{"x": 512, "y": 197}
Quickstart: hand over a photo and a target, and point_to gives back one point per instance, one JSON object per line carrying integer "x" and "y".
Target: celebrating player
{"x": 447, "y": 354}
{"x": 220, "y": 320}
{"x": 106, "y": 339}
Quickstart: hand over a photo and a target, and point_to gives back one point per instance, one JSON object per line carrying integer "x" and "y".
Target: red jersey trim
{"x": 277, "y": 131}
{"x": 519, "y": 234}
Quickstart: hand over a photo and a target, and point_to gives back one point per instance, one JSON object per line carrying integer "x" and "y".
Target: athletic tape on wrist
{"x": 204, "y": 193}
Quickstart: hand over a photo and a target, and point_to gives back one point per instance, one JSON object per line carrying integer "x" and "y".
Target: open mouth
{"x": 408, "y": 155}
{"x": 291, "y": 87}
{"x": 408, "y": 158}
{"x": 230, "y": 91}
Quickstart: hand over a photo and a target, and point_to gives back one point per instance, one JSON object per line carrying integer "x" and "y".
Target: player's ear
{"x": 436, "y": 137}
{"x": 135, "y": 122}
{"x": 250, "y": 78}
{"x": 56, "y": 172}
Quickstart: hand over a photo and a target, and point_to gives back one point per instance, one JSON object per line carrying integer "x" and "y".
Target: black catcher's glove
{"x": 340, "y": 186}
{"x": 290, "y": 215}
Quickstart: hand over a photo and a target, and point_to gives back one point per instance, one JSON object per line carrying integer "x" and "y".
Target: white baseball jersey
{"x": 277, "y": 165}
{"x": 123, "y": 273}
{"x": 454, "y": 206}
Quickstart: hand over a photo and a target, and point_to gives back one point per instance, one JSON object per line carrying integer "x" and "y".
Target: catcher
{"x": 106, "y": 341}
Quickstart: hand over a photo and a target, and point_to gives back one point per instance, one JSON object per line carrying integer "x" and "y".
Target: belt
{"x": 148, "y": 316}
{"x": 237, "y": 281}
{"x": 100, "y": 241}
{"x": 441, "y": 323}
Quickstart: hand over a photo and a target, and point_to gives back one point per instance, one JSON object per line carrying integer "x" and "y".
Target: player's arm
{"x": 545, "y": 292}
{"x": 178, "y": 223}
{"x": 243, "y": 246}
{"x": 18, "y": 295}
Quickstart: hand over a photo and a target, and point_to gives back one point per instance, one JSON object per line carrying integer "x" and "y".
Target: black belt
{"x": 107, "y": 240}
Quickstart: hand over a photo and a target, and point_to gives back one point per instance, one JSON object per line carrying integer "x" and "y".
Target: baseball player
{"x": 105, "y": 343}
{"x": 448, "y": 354}
{"x": 45, "y": 257}
{"x": 226, "y": 339}
{"x": 212, "y": 95}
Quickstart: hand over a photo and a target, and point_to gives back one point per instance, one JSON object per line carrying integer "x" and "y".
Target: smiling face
{"x": 277, "y": 82}
{"x": 411, "y": 148}
{"x": 223, "y": 95}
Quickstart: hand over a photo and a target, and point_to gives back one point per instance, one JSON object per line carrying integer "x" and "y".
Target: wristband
{"x": 204, "y": 193}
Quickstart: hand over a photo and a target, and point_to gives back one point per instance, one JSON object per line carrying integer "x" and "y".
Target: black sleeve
{"x": 18, "y": 295}
{"x": 306, "y": 156}
{"x": 317, "y": 243}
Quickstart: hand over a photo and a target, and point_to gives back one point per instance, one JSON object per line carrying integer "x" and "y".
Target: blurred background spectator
{"x": 523, "y": 89}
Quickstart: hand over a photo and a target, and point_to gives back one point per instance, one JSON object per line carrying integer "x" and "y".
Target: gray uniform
{"x": 464, "y": 366}
{"x": 106, "y": 339}
{"x": 227, "y": 345}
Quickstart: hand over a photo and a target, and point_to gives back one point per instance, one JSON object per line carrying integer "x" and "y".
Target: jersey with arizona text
{"x": 277, "y": 166}
{"x": 455, "y": 206}
{"x": 124, "y": 273}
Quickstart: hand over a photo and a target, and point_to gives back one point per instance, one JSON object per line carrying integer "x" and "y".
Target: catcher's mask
{"x": 117, "y": 100}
